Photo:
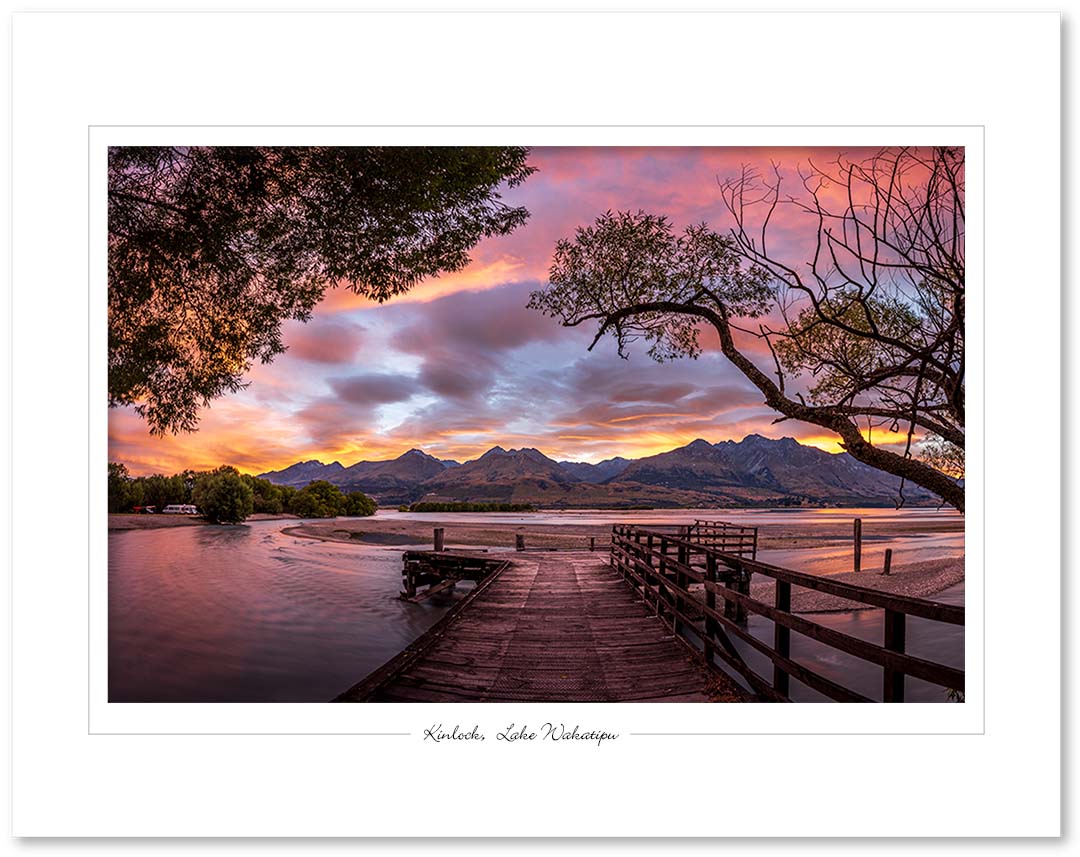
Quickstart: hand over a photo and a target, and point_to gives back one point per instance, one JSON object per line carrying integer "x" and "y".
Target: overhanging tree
{"x": 212, "y": 248}
{"x": 872, "y": 321}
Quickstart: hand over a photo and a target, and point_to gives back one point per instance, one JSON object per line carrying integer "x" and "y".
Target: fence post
{"x": 782, "y": 638}
{"x": 742, "y": 586}
{"x": 440, "y": 541}
{"x": 650, "y": 575}
{"x": 858, "y": 544}
{"x": 895, "y": 639}
{"x": 730, "y": 607}
{"x": 664, "y": 571}
{"x": 710, "y": 602}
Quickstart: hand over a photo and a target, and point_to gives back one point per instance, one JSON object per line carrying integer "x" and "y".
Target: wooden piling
{"x": 592, "y": 543}
{"x": 710, "y": 602}
{"x": 858, "y": 544}
{"x": 895, "y": 641}
{"x": 888, "y": 561}
{"x": 519, "y": 542}
{"x": 440, "y": 539}
{"x": 782, "y": 638}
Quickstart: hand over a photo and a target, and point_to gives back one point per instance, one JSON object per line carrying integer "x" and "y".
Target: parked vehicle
{"x": 180, "y": 509}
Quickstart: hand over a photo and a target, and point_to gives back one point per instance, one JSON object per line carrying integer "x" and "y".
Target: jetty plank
{"x": 553, "y": 627}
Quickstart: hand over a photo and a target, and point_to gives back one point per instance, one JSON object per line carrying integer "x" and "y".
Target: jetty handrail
{"x": 725, "y": 536}
{"x": 661, "y": 567}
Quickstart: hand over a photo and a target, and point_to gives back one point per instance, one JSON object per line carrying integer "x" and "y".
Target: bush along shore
{"x": 226, "y": 496}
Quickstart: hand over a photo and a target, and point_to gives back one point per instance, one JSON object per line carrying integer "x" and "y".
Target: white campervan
{"x": 180, "y": 509}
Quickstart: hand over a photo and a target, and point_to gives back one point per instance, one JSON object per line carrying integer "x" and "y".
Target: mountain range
{"x": 754, "y": 471}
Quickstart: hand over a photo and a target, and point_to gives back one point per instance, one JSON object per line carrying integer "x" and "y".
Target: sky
{"x": 460, "y": 365}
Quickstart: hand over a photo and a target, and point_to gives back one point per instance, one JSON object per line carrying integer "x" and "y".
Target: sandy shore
{"x": 157, "y": 522}
{"x": 919, "y": 579}
{"x": 576, "y": 536}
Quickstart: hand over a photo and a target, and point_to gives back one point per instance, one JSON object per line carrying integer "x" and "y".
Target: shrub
{"x": 223, "y": 496}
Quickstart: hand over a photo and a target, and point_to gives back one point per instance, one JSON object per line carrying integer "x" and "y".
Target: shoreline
{"x": 919, "y": 579}
{"x": 123, "y": 521}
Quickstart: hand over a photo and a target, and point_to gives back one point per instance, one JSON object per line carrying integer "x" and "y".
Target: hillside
{"x": 753, "y": 471}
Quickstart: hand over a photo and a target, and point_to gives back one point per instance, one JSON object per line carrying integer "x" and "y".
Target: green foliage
{"x": 126, "y": 491}
{"x": 288, "y": 496}
{"x": 629, "y": 260}
{"x": 267, "y": 496}
{"x": 212, "y": 248}
{"x": 360, "y": 505}
{"x": 319, "y": 499}
{"x": 469, "y": 507}
{"x": 120, "y": 493}
{"x": 856, "y": 345}
{"x": 223, "y": 496}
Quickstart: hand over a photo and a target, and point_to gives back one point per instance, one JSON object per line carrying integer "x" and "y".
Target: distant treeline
{"x": 227, "y": 496}
{"x": 468, "y": 507}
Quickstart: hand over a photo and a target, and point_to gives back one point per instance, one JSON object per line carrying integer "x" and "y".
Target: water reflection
{"x": 248, "y": 614}
{"x": 935, "y": 641}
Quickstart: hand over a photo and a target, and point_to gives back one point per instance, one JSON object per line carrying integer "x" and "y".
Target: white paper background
{"x": 72, "y": 72}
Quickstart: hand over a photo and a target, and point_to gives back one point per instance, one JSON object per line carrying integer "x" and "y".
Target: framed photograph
{"x": 542, "y": 451}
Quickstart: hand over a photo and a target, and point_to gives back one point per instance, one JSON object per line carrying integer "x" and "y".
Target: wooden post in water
{"x": 519, "y": 542}
{"x": 440, "y": 539}
{"x": 888, "y": 561}
{"x": 409, "y": 577}
{"x": 710, "y": 601}
{"x": 592, "y": 543}
{"x": 858, "y": 544}
{"x": 895, "y": 641}
{"x": 742, "y": 586}
{"x": 782, "y": 638}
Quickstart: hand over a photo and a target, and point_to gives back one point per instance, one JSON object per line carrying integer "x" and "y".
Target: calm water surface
{"x": 250, "y": 614}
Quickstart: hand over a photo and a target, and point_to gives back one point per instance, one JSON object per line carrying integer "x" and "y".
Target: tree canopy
{"x": 223, "y": 496}
{"x": 872, "y": 323}
{"x": 212, "y": 248}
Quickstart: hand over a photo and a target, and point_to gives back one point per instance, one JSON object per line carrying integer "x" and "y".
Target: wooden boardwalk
{"x": 558, "y": 627}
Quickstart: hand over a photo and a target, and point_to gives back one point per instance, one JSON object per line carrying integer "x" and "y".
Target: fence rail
{"x": 662, "y": 567}
{"x": 724, "y": 537}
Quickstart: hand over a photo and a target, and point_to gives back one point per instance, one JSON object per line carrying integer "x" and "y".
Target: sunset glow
{"x": 459, "y": 364}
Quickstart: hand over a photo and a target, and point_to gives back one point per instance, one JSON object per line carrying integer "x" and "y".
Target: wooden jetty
{"x": 439, "y": 570}
{"x": 554, "y": 627}
{"x": 642, "y": 623}
{"x": 662, "y": 567}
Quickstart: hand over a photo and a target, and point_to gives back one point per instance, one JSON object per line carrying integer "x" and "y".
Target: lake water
{"x": 250, "y": 614}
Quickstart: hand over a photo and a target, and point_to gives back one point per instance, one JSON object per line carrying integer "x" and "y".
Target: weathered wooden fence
{"x": 724, "y": 537}
{"x": 663, "y": 566}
